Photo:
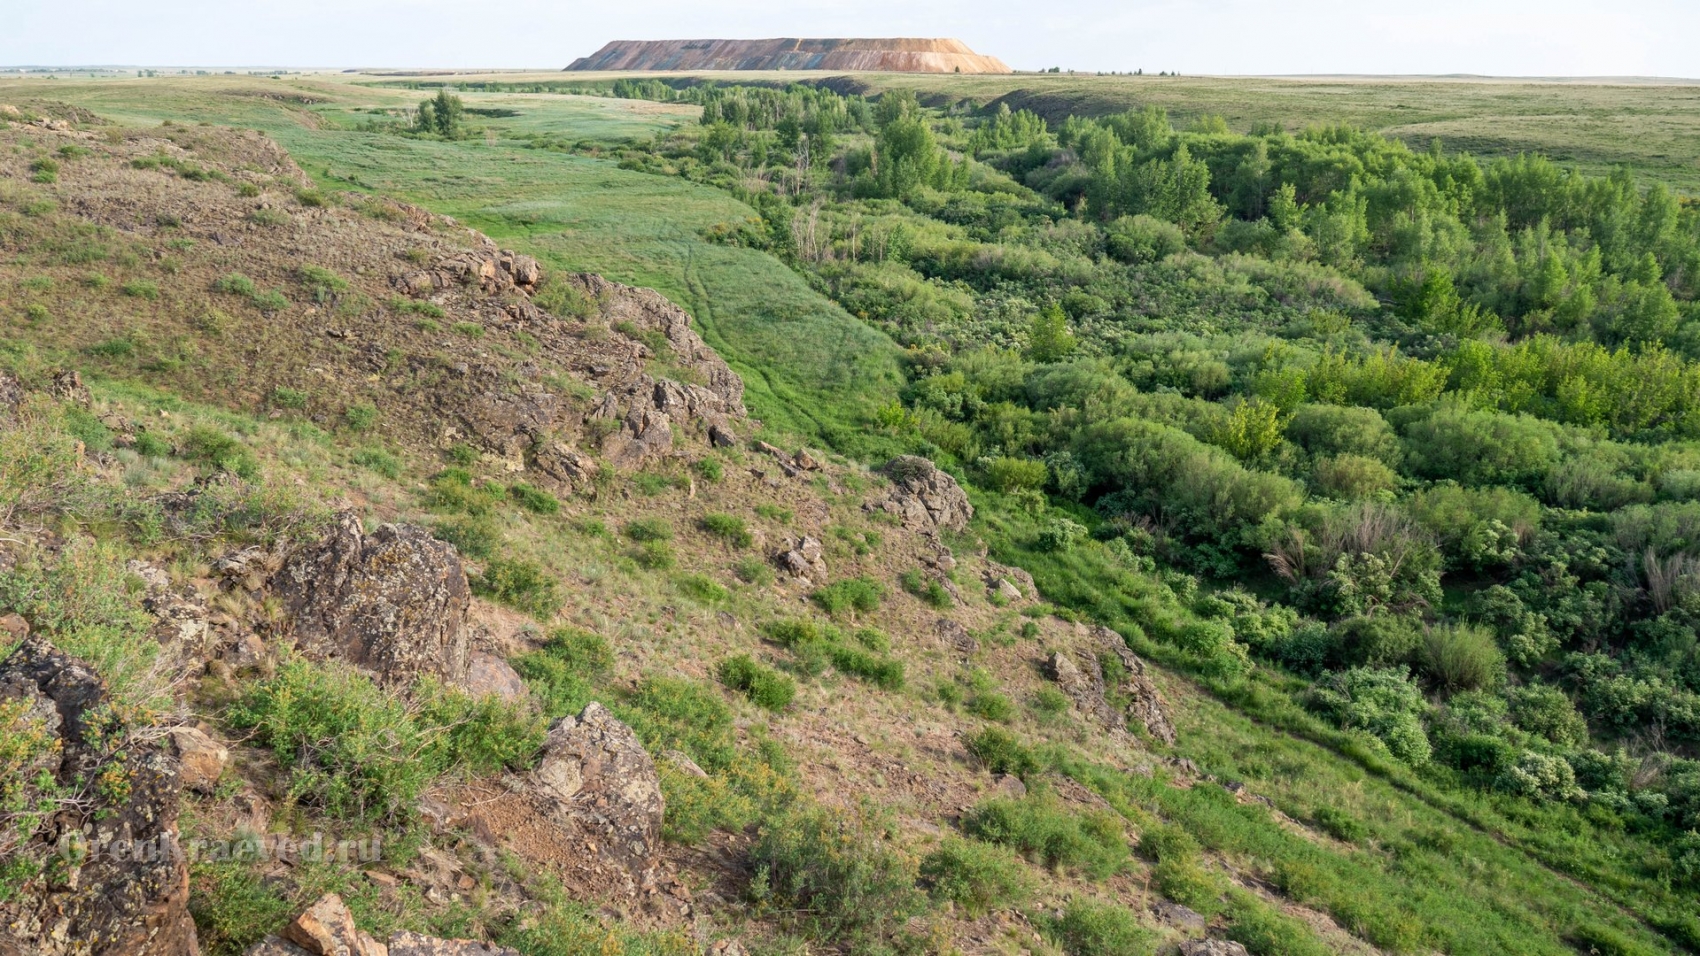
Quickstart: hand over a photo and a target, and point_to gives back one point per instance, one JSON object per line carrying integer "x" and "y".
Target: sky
{"x": 1492, "y": 37}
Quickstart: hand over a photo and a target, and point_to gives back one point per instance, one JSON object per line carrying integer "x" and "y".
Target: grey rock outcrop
{"x": 923, "y": 497}
{"x": 596, "y": 776}
{"x": 129, "y": 892}
{"x": 392, "y": 602}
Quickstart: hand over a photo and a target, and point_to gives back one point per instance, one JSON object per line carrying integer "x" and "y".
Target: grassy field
{"x": 1652, "y": 127}
{"x": 809, "y": 367}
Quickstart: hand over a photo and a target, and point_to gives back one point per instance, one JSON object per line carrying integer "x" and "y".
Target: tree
{"x": 1049, "y": 340}
{"x": 443, "y": 115}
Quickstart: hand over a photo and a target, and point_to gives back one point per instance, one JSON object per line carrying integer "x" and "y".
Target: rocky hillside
{"x": 363, "y": 586}
{"x": 889, "y": 55}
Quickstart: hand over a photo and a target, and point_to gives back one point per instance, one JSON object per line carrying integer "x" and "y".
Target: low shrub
{"x": 346, "y": 745}
{"x": 753, "y": 571}
{"x": 728, "y": 528}
{"x": 764, "y": 686}
{"x": 521, "y": 585}
{"x": 1090, "y": 928}
{"x": 649, "y": 529}
{"x": 654, "y": 555}
{"x": 929, "y": 590}
{"x": 562, "y": 672}
{"x": 379, "y": 460}
{"x": 209, "y": 446}
{"x": 1038, "y": 827}
{"x": 360, "y": 416}
{"x": 533, "y": 499}
{"x": 979, "y": 877}
{"x": 476, "y": 537}
{"x": 852, "y": 595}
{"x": 703, "y": 589}
{"x": 140, "y": 289}
{"x": 837, "y": 876}
{"x": 1000, "y": 751}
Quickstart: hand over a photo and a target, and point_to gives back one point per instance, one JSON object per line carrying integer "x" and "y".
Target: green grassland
{"x": 808, "y": 367}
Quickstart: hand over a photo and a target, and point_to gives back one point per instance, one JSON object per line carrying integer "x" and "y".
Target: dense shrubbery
{"x": 1446, "y": 412}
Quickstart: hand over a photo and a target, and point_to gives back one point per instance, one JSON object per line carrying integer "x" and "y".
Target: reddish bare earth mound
{"x": 893, "y": 55}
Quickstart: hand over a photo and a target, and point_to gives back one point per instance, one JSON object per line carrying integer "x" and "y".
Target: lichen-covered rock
{"x": 413, "y": 944}
{"x": 125, "y": 888}
{"x": 1212, "y": 947}
{"x": 1083, "y": 684}
{"x": 922, "y": 497}
{"x": 11, "y": 395}
{"x": 489, "y": 675}
{"x": 200, "y": 759}
{"x": 647, "y": 412}
{"x": 955, "y": 636}
{"x": 596, "y": 776}
{"x": 803, "y": 558}
{"x": 393, "y": 602}
{"x": 1145, "y": 706}
{"x": 493, "y": 270}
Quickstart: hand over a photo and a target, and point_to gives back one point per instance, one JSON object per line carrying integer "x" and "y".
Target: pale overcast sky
{"x": 1498, "y": 37}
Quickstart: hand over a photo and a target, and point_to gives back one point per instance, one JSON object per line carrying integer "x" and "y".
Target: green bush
{"x": 209, "y": 446}
{"x": 991, "y": 705}
{"x": 728, "y": 528}
{"x": 764, "y": 686}
{"x": 346, "y": 746}
{"x": 927, "y": 589}
{"x": 481, "y": 735}
{"x": 837, "y": 874}
{"x": 564, "y": 670}
{"x": 654, "y": 556}
{"x": 1089, "y": 928}
{"x": 709, "y": 469}
{"x": 649, "y": 529}
{"x": 753, "y": 571}
{"x": 883, "y": 672}
{"x": 703, "y": 589}
{"x": 1353, "y": 477}
{"x": 1382, "y": 703}
{"x": 1341, "y": 825}
{"x": 1040, "y": 828}
{"x": 1266, "y": 932}
{"x": 1177, "y": 872}
{"x": 360, "y": 416}
{"x": 475, "y": 537}
{"x": 140, "y": 289}
{"x": 289, "y": 398}
{"x": 379, "y": 460}
{"x": 979, "y": 877}
{"x": 235, "y": 283}
{"x": 851, "y": 595}
{"x": 1462, "y": 657}
{"x": 521, "y": 585}
{"x": 1000, "y": 751}
{"x": 533, "y": 499}
{"x": 1059, "y": 534}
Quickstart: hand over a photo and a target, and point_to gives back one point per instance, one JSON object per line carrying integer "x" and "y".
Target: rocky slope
{"x": 889, "y": 55}
{"x": 394, "y": 380}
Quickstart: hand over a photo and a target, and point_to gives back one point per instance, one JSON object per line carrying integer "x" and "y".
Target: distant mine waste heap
{"x": 892, "y": 55}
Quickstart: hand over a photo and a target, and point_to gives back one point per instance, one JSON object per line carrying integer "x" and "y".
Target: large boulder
{"x": 923, "y": 497}
{"x": 596, "y": 776}
{"x": 122, "y": 886}
{"x": 392, "y": 602}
